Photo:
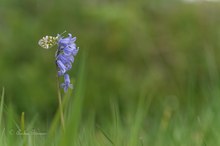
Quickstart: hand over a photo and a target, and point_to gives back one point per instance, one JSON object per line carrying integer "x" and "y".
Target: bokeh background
{"x": 159, "y": 49}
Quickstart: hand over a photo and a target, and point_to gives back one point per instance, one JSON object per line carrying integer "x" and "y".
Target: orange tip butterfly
{"x": 47, "y": 42}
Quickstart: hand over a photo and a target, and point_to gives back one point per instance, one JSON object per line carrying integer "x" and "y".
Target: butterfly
{"x": 47, "y": 42}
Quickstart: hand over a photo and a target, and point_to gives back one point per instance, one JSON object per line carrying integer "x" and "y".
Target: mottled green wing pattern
{"x": 47, "y": 42}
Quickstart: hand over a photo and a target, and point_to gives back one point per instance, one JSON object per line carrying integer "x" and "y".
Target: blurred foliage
{"x": 167, "y": 50}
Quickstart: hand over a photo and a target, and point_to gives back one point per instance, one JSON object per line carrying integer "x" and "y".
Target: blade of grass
{"x": 1, "y": 106}
{"x": 70, "y": 136}
{"x": 55, "y": 122}
{"x": 22, "y": 123}
{"x": 142, "y": 109}
{"x": 1, "y": 114}
{"x": 116, "y": 122}
{"x": 105, "y": 134}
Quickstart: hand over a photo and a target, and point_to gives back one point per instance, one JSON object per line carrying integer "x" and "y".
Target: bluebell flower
{"x": 63, "y": 42}
{"x": 62, "y": 67}
{"x": 70, "y": 50}
{"x": 66, "y": 83}
{"x": 65, "y": 59}
{"x": 66, "y": 52}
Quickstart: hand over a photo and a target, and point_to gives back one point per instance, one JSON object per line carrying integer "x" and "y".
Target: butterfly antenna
{"x": 59, "y": 35}
{"x": 63, "y": 32}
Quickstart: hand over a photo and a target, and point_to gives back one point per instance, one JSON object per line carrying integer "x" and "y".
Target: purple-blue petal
{"x": 66, "y": 85}
{"x": 67, "y": 78}
{"x": 61, "y": 66}
{"x": 65, "y": 57}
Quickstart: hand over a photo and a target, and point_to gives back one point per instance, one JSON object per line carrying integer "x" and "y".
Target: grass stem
{"x": 60, "y": 103}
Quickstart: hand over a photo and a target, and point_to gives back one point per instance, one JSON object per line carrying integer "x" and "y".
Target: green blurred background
{"x": 159, "y": 49}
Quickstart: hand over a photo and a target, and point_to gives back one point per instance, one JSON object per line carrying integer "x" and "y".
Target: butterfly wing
{"x": 47, "y": 42}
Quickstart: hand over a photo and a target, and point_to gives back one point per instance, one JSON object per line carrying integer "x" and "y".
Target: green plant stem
{"x": 22, "y": 123}
{"x": 60, "y": 103}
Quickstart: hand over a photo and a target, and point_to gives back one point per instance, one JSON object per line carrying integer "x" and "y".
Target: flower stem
{"x": 60, "y": 103}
